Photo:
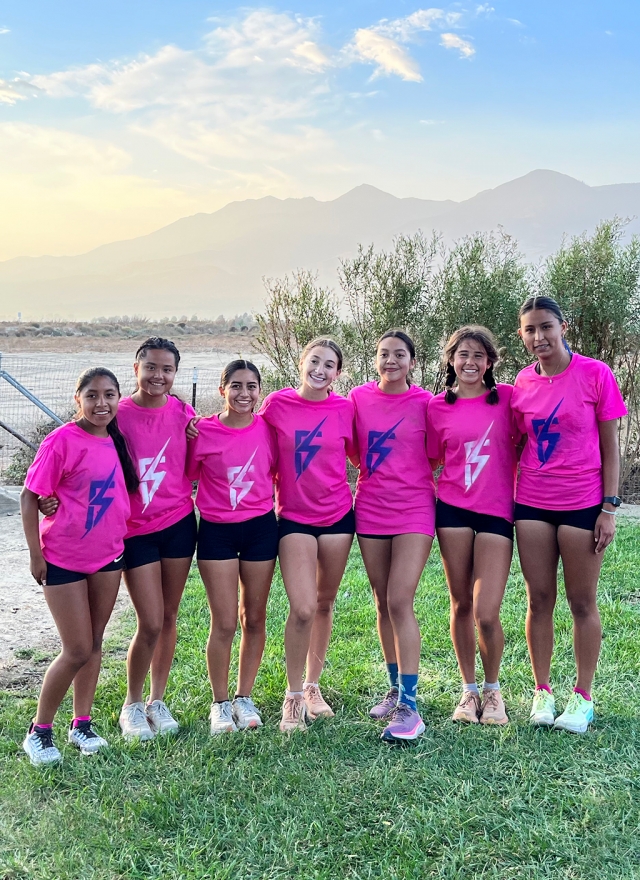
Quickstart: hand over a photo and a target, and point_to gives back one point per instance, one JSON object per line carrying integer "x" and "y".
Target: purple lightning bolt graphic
{"x": 544, "y": 434}
{"x": 306, "y": 450}
{"x": 376, "y": 447}
{"x": 99, "y": 503}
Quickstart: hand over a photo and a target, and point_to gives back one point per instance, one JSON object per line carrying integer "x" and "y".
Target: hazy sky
{"x": 118, "y": 117}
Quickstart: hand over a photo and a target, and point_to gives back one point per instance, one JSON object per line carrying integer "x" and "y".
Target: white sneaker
{"x": 38, "y": 744}
{"x": 84, "y": 737}
{"x": 543, "y": 709}
{"x": 245, "y": 713}
{"x": 221, "y": 717}
{"x": 160, "y": 718}
{"x": 134, "y": 724}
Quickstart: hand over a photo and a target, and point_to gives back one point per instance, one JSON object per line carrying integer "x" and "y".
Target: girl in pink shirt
{"x": 568, "y": 407}
{"x": 161, "y": 535}
{"x": 395, "y": 519}
{"x": 76, "y": 554}
{"x": 314, "y": 434}
{"x": 472, "y": 433}
{"x": 234, "y": 457}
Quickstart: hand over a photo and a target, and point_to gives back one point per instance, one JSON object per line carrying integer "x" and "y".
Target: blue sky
{"x": 117, "y": 118}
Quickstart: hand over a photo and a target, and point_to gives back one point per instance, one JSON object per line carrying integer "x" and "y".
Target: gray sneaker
{"x": 221, "y": 718}
{"x": 134, "y": 723}
{"x": 38, "y": 744}
{"x": 84, "y": 737}
{"x": 245, "y": 713}
{"x": 386, "y": 706}
{"x": 160, "y": 718}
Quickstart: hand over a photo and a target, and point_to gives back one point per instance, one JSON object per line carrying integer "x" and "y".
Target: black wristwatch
{"x": 612, "y": 499}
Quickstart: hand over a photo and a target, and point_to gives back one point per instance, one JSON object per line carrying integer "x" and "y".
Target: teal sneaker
{"x": 577, "y": 716}
{"x": 543, "y": 710}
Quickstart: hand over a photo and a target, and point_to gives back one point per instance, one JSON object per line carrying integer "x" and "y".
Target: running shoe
{"x": 543, "y": 709}
{"x": 492, "y": 710}
{"x": 405, "y": 724}
{"x": 38, "y": 744}
{"x": 577, "y": 716}
{"x": 294, "y": 714}
{"x": 245, "y": 713}
{"x": 386, "y": 706}
{"x": 316, "y": 705}
{"x": 134, "y": 723}
{"x": 468, "y": 709}
{"x": 221, "y": 718}
{"x": 84, "y": 737}
{"x": 160, "y": 719}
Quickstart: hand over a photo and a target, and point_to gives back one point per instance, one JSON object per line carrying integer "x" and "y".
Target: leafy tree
{"x": 296, "y": 310}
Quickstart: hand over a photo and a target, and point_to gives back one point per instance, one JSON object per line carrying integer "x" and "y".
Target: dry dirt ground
{"x": 230, "y": 342}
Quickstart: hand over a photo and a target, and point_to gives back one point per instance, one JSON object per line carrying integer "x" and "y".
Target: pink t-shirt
{"x": 561, "y": 467}
{"x": 395, "y": 493}
{"x": 313, "y": 439}
{"x": 158, "y": 445}
{"x": 476, "y": 442}
{"x": 235, "y": 467}
{"x": 87, "y": 530}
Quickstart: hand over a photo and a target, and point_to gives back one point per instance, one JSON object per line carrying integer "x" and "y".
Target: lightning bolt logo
{"x": 544, "y": 434}
{"x": 376, "y": 449}
{"x": 305, "y": 449}
{"x": 99, "y": 501}
{"x": 473, "y": 455}
{"x": 150, "y": 478}
{"x": 239, "y": 487}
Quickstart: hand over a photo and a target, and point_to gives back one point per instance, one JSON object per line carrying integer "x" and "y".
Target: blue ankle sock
{"x": 392, "y": 672}
{"x": 408, "y": 690}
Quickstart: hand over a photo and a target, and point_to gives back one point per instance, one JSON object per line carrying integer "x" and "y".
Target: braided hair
{"x": 128, "y": 469}
{"x": 488, "y": 341}
{"x": 158, "y": 343}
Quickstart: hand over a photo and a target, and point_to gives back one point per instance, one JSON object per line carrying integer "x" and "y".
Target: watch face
{"x": 612, "y": 499}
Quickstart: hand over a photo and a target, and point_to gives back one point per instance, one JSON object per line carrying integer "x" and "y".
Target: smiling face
{"x": 470, "y": 362}
{"x": 543, "y": 334}
{"x": 155, "y": 372}
{"x": 393, "y": 361}
{"x": 97, "y": 404}
{"x": 318, "y": 370}
{"x": 241, "y": 392}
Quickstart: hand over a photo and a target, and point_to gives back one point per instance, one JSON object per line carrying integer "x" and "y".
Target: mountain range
{"x": 208, "y": 264}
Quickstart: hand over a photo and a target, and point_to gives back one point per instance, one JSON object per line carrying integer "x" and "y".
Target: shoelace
{"x": 574, "y": 704}
{"x": 246, "y": 703}
{"x": 136, "y": 715}
{"x": 491, "y": 699}
{"x": 293, "y": 707}
{"x": 467, "y": 699}
{"x": 401, "y": 711}
{"x": 84, "y": 730}
{"x": 45, "y": 738}
{"x": 161, "y": 710}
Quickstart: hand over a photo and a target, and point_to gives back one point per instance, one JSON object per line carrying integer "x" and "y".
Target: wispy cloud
{"x": 388, "y": 56}
{"x": 484, "y": 9}
{"x": 15, "y": 90}
{"x": 4, "y": 30}
{"x": 453, "y": 41}
{"x": 431, "y": 122}
{"x": 515, "y": 22}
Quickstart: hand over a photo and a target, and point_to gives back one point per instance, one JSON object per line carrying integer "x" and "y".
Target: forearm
{"x": 610, "y": 455}
{"x": 30, "y": 521}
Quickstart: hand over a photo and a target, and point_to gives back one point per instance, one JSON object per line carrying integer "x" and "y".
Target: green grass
{"x": 337, "y": 802}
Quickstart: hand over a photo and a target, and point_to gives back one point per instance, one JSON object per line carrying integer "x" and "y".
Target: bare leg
{"x": 491, "y": 564}
{"x": 102, "y": 593}
{"x": 174, "y": 578}
{"x": 539, "y": 554}
{"x": 376, "y": 555}
{"x": 333, "y": 552}
{"x": 409, "y": 554}
{"x": 582, "y": 566}
{"x": 71, "y": 612}
{"x": 145, "y": 588}
{"x": 456, "y": 547}
{"x": 298, "y": 563}
{"x": 220, "y": 578}
{"x": 255, "y": 583}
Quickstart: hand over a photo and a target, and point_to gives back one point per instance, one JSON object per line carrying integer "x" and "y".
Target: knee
{"x": 381, "y": 605}
{"x": 487, "y": 625}
{"x": 223, "y": 630}
{"x": 169, "y": 619}
{"x": 582, "y": 607}
{"x": 399, "y": 608}
{"x": 149, "y": 632}
{"x": 542, "y": 602}
{"x": 78, "y": 654}
{"x": 461, "y": 606}
{"x": 253, "y": 622}
{"x": 325, "y": 606}
{"x": 302, "y": 616}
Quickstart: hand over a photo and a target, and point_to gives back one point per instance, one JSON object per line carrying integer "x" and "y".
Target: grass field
{"x": 336, "y": 802}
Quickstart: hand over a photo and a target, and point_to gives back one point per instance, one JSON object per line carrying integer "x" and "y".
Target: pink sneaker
{"x": 405, "y": 723}
{"x": 386, "y": 706}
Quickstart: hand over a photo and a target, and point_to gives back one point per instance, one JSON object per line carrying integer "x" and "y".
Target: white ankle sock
{"x": 490, "y": 685}
{"x": 471, "y": 687}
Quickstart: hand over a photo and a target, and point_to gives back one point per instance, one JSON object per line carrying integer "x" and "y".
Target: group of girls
{"x": 127, "y": 481}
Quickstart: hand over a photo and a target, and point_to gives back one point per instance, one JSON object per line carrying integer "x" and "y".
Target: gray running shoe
{"x": 84, "y": 737}
{"x": 245, "y": 713}
{"x": 160, "y": 718}
{"x": 38, "y": 744}
{"x": 221, "y": 717}
{"x": 134, "y": 723}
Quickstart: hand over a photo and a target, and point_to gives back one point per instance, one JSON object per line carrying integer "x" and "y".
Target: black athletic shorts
{"x": 450, "y": 517}
{"x": 175, "y": 542}
{"x": 57, "y": 576}
{"x": 344, "y": 526}
{"x": 584, "y": 518}
{"x": 254, "y": 540}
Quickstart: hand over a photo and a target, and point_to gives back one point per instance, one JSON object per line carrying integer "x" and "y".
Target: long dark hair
{"x": 160, "y": 343}
{"x": 128, "y": 469}
{"x": 488, "y": 341}
{"x": 547, "y": 304}
{"x": 399, "y": 334}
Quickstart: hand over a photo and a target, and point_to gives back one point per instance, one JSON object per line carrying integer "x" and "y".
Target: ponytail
{"x": 450, "y": 380}
{"x": 490, "y": 382}
{"x": 130, "y": 476}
